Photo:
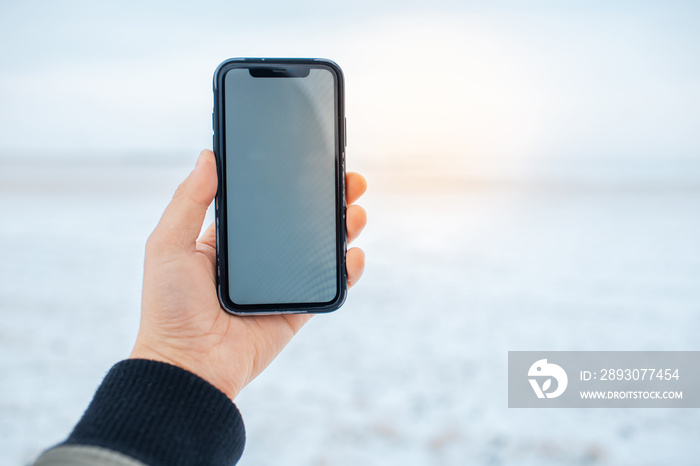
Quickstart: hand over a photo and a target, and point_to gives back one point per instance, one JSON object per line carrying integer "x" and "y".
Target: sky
{"x": 503, "y": 81}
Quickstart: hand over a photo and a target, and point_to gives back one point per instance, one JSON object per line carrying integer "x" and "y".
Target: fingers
{"x": 208, "y": 237}
{"x": 356, "y": 185}
{"x": 182, "y": 220}
{"x": 355, "y": 221}
{"x": 206, "y": 244}
{"x": 355, "y": 263}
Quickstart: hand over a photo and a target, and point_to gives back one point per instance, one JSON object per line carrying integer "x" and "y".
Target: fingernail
{"x": 199, "y": 159}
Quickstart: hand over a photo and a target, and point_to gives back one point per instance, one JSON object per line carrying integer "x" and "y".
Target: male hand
{"x": 182, "y": 322}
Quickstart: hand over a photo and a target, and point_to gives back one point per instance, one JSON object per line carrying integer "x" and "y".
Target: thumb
{"x": 182, "y": 220}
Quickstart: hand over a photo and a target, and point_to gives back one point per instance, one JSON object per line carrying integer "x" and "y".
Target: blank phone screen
{"x": 280, "y": 162}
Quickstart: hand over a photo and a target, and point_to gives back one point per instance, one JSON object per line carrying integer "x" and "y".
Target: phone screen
{"x": 281, "y": 151}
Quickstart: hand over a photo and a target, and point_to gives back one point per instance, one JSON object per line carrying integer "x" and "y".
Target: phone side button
{"x": 345, "y": 133}
{"x": 344, "y": 175}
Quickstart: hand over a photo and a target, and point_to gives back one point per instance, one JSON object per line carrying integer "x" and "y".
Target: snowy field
{"x": 412, "y": 370}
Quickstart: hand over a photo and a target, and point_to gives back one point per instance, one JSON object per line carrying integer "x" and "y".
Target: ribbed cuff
{"x": 162, "y": 415}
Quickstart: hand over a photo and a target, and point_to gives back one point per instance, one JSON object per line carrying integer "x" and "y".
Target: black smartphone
{"x": 279, "y": 140}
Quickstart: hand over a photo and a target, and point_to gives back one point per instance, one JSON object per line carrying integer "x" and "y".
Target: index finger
{"x": 356, "y": 185}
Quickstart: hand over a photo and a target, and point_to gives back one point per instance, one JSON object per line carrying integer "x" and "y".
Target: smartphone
{"x": 279, "y": 140}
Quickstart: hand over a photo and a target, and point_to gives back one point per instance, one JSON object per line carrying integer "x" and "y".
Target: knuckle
{"x": 181, "y": 190}
{"x": 152, "y": 243}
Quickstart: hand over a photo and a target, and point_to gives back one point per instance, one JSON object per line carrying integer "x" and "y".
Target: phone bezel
{"x": 219, "y": 144}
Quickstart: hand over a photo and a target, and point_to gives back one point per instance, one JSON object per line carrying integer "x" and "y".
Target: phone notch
{"x": 296, "y": 71}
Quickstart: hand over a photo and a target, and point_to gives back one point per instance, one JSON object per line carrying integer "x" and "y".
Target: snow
{"x": 460, "y": 270}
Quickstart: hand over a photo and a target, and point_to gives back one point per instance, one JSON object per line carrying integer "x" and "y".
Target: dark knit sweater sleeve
{"x": 161, "y": 415}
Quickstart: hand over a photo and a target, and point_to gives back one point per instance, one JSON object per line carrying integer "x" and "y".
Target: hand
{"x": 182, "y": 322}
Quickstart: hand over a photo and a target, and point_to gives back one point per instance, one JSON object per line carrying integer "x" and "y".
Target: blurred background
{"x": 534, "y": 182}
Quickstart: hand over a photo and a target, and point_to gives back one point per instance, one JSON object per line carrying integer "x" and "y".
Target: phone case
{"x": 221, "y": 214}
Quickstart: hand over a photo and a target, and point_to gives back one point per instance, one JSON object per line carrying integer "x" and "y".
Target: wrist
{"x": 229, "y": 387}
